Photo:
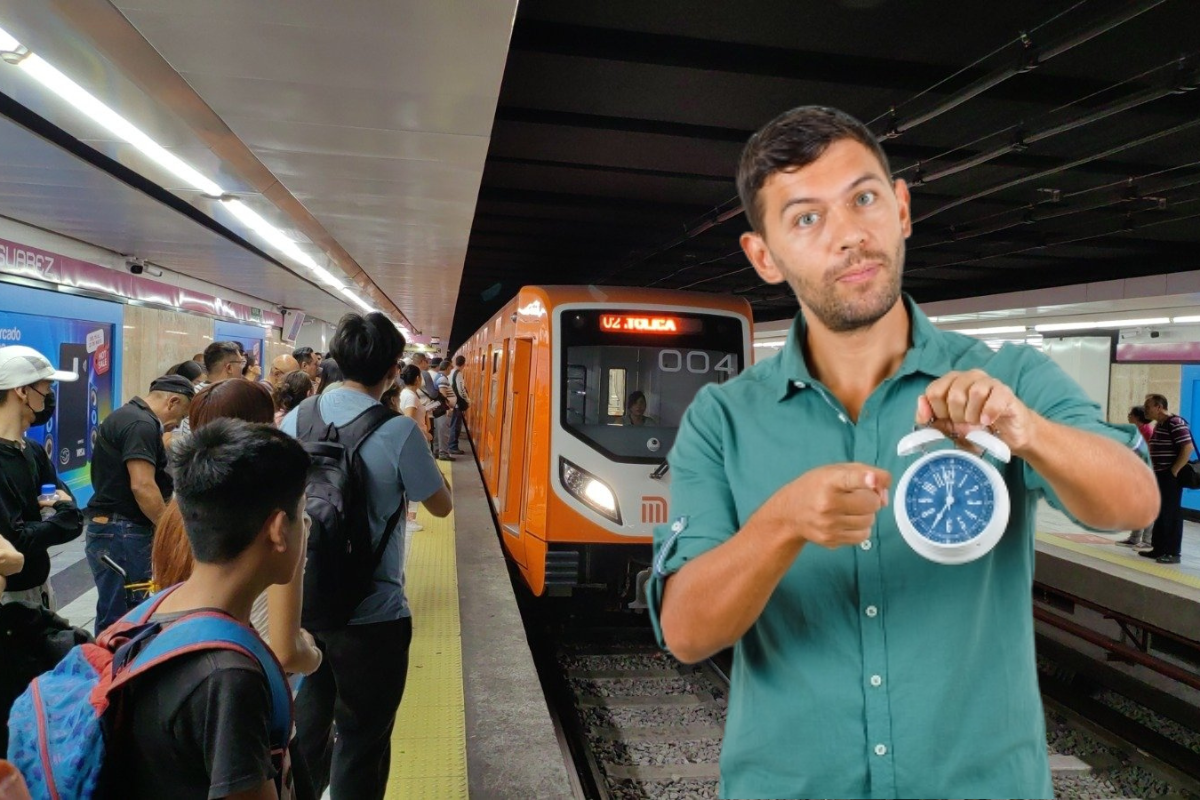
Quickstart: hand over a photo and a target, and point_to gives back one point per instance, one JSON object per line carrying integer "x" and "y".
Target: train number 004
{"x": 696, "y": 361}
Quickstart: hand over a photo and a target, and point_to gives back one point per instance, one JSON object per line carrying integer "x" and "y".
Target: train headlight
{"x": 590, "y": 490}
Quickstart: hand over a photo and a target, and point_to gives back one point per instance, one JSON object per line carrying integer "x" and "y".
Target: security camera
{"x": 1154, "y": 334}
{"x": 138, "y": 266}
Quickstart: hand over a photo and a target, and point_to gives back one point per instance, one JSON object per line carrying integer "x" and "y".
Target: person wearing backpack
{"x": 464, "y": 402}
{"x": 361, "y": 622}
{"x": 180, "y": 698}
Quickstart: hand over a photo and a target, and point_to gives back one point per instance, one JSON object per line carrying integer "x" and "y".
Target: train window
{"x": 620, "y": 384}
{"x": 576, "y": 394}
{"x": 616, "y": 392}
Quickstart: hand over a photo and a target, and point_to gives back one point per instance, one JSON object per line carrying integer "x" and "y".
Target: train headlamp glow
{"x": 590, "y": 490}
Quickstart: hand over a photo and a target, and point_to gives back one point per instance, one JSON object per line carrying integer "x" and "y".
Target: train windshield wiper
{"x": 660, "y": 471}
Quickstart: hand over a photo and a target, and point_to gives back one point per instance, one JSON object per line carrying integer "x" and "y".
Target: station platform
{"x": 1096, "y": 568}
{"x": 474, "y": 720}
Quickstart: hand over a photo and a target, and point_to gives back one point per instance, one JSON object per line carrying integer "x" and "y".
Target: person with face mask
{"x": 26, "y": 400}
{"x": 132, "y": 487}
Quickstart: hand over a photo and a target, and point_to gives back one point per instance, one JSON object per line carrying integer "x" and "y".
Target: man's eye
{"x": 865, "y": 199}
{"x": 807, "y": 220}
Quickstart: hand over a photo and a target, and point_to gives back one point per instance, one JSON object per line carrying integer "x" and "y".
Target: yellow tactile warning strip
{"x": 1145, "y": 565}
{"x": 429, "y": 745}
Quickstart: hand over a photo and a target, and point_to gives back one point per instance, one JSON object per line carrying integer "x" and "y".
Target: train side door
{"x": 496, "y": 403}
{"x": 514, "y": 445}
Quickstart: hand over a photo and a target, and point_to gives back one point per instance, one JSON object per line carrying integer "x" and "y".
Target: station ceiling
{"x": 1047, "y": 142}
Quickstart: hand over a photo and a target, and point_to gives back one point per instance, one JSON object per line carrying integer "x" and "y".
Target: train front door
{"x": 514, "y": 445}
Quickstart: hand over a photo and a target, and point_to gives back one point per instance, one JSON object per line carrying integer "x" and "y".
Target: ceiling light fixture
{"x": 74, "y": 94}
{"x": 1108, "y": 323}
{"x": 991, "y": 331}
{"x": 1178, "y": 320}
{"x": 358, "y": 301}
{"x": 13, "y": 52}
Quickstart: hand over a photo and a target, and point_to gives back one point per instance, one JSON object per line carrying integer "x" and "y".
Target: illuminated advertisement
{"x": 82, "y": 347}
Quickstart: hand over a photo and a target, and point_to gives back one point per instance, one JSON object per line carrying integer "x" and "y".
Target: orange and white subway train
{"x": 575, "y": 469}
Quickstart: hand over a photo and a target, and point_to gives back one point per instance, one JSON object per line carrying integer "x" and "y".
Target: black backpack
{"x": 430, "y": 390}
{"x": 455, "y": 378}
{"x": 341, "y": 561}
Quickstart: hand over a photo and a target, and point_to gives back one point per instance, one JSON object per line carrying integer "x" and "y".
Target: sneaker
{"x": 412, "y": 526}
{"x": 1168, "y": 559}
{"x": 445, "y": 457}
{"x": 1144, "y": 546}
{"x": 1150, "y": 554}
{"x": 457, "y": 453}
{"x": 1132, "y": 541}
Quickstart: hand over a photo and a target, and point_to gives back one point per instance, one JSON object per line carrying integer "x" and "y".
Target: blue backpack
{"x": 57, "y": 726}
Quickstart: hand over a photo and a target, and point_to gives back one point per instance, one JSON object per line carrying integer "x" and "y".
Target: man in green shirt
{"x": 860, "y": 668}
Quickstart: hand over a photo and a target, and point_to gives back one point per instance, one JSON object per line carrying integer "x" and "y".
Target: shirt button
{"x": 871, "y": 611}
{"x": 876, "y": 680}
{"x": 880, "y": 750}
{"x": 799, "y": 384}
{"x": 866, "y": 544}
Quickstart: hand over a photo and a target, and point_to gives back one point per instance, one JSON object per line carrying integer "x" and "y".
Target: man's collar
{"x": 926, "y": 354}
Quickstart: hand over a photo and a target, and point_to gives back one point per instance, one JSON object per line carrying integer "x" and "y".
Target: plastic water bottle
{"x": 49, "y": 492}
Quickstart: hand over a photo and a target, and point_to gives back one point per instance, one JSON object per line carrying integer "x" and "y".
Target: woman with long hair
{"x": 408, "y": 403}
{"x": 171, "y": 557}
{"x": 329, "y": 375}
{"x": 294, "y": 387}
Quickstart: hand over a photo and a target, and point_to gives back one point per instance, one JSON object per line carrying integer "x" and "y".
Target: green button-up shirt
{"x": 871, "y": 672}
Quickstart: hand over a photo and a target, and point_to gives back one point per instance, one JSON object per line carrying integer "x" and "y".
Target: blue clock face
{"x": 950, "y": 500}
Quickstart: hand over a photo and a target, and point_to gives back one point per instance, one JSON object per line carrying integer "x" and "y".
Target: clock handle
{"x": 991, "y": 444}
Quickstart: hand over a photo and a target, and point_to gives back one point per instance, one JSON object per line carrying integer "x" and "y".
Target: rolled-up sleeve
{"x": 1046, "y": 389}
{"x": 703, "y": 514}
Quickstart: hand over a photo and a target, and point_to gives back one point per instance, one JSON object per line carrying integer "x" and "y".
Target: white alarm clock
{"x": 951, "y": 505}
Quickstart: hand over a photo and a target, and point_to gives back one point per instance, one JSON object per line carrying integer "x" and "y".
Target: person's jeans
{"x": 1167, "y": 537}
{"x": 358, "y": 689}
{"x": 455, "y": 427}
{"x": 127, "y": 543}
{"x": 441, "y": 434}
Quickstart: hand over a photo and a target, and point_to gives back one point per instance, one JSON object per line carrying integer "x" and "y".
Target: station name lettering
{"x": 616, "y": 322}
{"x": 14, "y": 258}
{"x": 10, "y": 334}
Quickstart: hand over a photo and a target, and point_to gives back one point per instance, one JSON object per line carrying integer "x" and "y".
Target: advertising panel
{"x": 85, "y": 348}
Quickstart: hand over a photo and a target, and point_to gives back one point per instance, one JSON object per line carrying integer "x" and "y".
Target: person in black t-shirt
{"x": 198, "y": 727}
{"x": 131, "y": 488}
{"x": 27, "y": 399}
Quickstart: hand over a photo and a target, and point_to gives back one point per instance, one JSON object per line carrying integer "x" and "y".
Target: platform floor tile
{"x": 429, "y": 751}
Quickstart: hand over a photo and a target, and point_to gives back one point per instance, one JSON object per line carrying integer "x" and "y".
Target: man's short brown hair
{"x": 792, "y": 141}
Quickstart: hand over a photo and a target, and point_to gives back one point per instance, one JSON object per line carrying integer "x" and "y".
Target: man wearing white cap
{"x": 27, "y": 399}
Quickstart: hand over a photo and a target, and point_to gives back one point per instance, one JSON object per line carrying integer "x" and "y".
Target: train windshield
{"x": 628, "y": 376}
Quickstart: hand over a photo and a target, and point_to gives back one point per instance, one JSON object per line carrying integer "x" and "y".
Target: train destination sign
{"x": 640, "y": 323}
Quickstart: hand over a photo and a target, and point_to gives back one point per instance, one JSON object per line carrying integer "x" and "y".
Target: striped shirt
{"x": 1169, "y": 438}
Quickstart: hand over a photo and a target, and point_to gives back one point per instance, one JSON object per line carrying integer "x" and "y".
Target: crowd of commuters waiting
{"x": 202, "y": 488}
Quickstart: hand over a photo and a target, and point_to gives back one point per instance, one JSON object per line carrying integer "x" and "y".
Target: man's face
{"x": 310, "y": 367}
{"x": 176, "y": 409}
{"x": 834, "y": 231}
{"x": 1153, "y": 409}
{"x": 229, "y": 369}
{"x": 34, "y": 399}
{"x": 280, "y": 367}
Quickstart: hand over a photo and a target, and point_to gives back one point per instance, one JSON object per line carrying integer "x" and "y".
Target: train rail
{"x": 635, "y": 722}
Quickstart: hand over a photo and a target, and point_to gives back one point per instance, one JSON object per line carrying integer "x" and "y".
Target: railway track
{"x": 637, "y": 723}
